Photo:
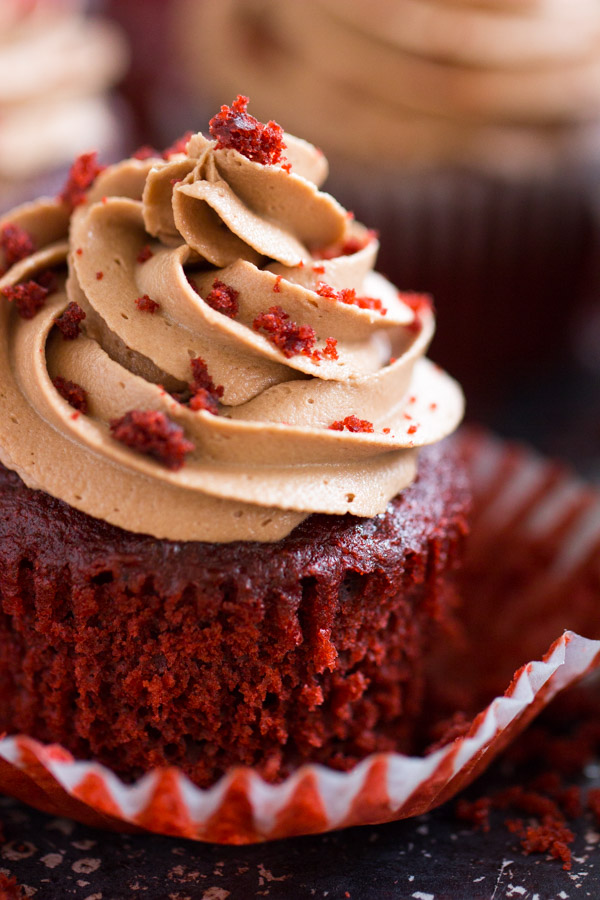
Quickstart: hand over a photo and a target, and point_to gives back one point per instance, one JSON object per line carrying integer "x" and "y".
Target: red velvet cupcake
{"x": 217, "y": 544}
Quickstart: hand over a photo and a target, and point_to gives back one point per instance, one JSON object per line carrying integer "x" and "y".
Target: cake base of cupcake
{"x": 140, "y": 653}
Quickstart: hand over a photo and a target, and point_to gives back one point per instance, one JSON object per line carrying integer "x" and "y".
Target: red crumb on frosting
{"x": 223, "y": 299}
{"x": 10, "y": 889}
{"x": 177, "y": 146}
{"x": 348, "y": 295}
{"x": 386, "y": 430}
{"x": 99, "y": 276}
{"x": 292, "y": 339}
{"x": 146, "y": 152}
{"x": 330, "y": 349}
{"x": 84, "y": 172}
{"x": 146, "y": 304}
{"x": 68, "y": 322}
{"x": 277, "y": 285}
{"x": 154, "y": 434}
{"x": 412, "y": 429}
{"x": 354, "y": 424}
{"x": 72, "y": 392}
{"x": 205, "y": 394}
{"x": 233, "y": 128}
{"x": 28, "y": 297}
{"x": 420, "y": 304}
{"x": 16, "y": 244}
{"x": 346, "y": 247}
{"x": 144, "y": 254}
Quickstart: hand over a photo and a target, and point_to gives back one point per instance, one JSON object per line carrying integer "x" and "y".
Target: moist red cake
{"x": 140, "y": 652}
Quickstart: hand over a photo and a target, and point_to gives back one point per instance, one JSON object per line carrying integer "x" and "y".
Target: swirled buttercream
{"x": 313, "y": 341}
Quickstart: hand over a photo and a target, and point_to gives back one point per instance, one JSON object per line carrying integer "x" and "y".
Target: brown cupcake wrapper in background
{"x": 542, "y": 528}
{"x": 507, "y": 260}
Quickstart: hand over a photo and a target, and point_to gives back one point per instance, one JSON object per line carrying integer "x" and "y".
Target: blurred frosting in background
{"x": 56, "y": 65}
{"x": 506, "y": 84}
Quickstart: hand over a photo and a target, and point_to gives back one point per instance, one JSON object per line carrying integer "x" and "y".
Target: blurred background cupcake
{"x": 466, "y": 132}
{"x": 57, "y": 64}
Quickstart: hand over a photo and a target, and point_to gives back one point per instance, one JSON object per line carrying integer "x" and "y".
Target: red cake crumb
{"x": 28, "y": 297}
{"x": 154, "y": 434}
{"x": 79, "y": 251}
{"x": 68, "y": 322}
{"x": 99, "y": 276}
{"x": 233, "y": 128}
{"x": 411, "y": 429}
{"x": 551, "y": 836}
{"x": 146, "y": 152}
{"x": 177, "y": 146}
{"x": 354, "y": 424}
{"x": 292, "y": 339}
{"x": 347, "y": 247}
{"x": 144, "y": 254}
{"x": 146, "y": 304}
{"x": 205, "y": 394}
{"x": 10, "y": 889}
{"x": 277, "y": 285}
{"x": 330, "y": 349}
{"x": 223, "y": 299}
{"x": 319, "y": 270}
{"x": 348, "y": 295}
{"x": 84, "y": 172}
{"x": 476, "y": 812}
{"x": 16, "y": 244}
{"x": 386, "y": 430}
{"x": 72, "y": 392}
{"x": 420, "y": 304}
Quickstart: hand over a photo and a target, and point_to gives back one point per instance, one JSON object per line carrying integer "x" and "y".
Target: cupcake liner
{"x": 535, "y": 528}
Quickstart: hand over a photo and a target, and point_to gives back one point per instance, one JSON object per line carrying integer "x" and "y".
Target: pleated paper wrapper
{"x": 536, "y": 529}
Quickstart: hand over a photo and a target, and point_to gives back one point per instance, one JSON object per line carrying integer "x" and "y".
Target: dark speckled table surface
{"x": 430, "y": 858}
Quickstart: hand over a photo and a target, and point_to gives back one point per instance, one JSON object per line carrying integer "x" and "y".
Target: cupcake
{"x": 468, "y": 133}
{"x": 56, "y": 66}
{"x": 230, "y": 523}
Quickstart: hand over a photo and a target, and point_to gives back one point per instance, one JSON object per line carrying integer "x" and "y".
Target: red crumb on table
{"x": 420, "y": 304}
{"x": 330, "y": 349}
{"x": 99, "y": 276}
{"x": 223, "y": 299}
{"x": 277, "y": 285}
{"x": 154, "y": 434}
{"x": 68, "y": 322}
{"x": 354, "y": 424}
{"x": 146, "y": 152}
{"x": 10, "y": 889}
{"x": 28, "y": 297}
{"x": 84, "y": 172}
{"x": 552, "y": 837}
{"x": 233, "y": 128}
{"x": 346, "y": 247}
{"x": 72, "y": 392}
{"x": 144, "y": 254}
{"x": 205, "y": 394}
{"x": 146, "y": 304}
{"x": 177, "y": 146}
{"x": 348, "y": 295}
{"x": 16, "y": 243}
{"x": 292, "y": 339}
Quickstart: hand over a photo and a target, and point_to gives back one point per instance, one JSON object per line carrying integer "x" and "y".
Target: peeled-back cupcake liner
{"x": 535, "y": 527}
{"x": 504, "y": 255}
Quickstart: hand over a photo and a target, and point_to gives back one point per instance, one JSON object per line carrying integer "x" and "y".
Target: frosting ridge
{"x": 265, "y": 394}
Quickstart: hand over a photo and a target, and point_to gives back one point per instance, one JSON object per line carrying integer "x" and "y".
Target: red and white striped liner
{"x": 522, "y": 502}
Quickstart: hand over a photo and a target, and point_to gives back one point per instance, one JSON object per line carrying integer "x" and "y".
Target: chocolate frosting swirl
{"x": 269, "y": 458}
